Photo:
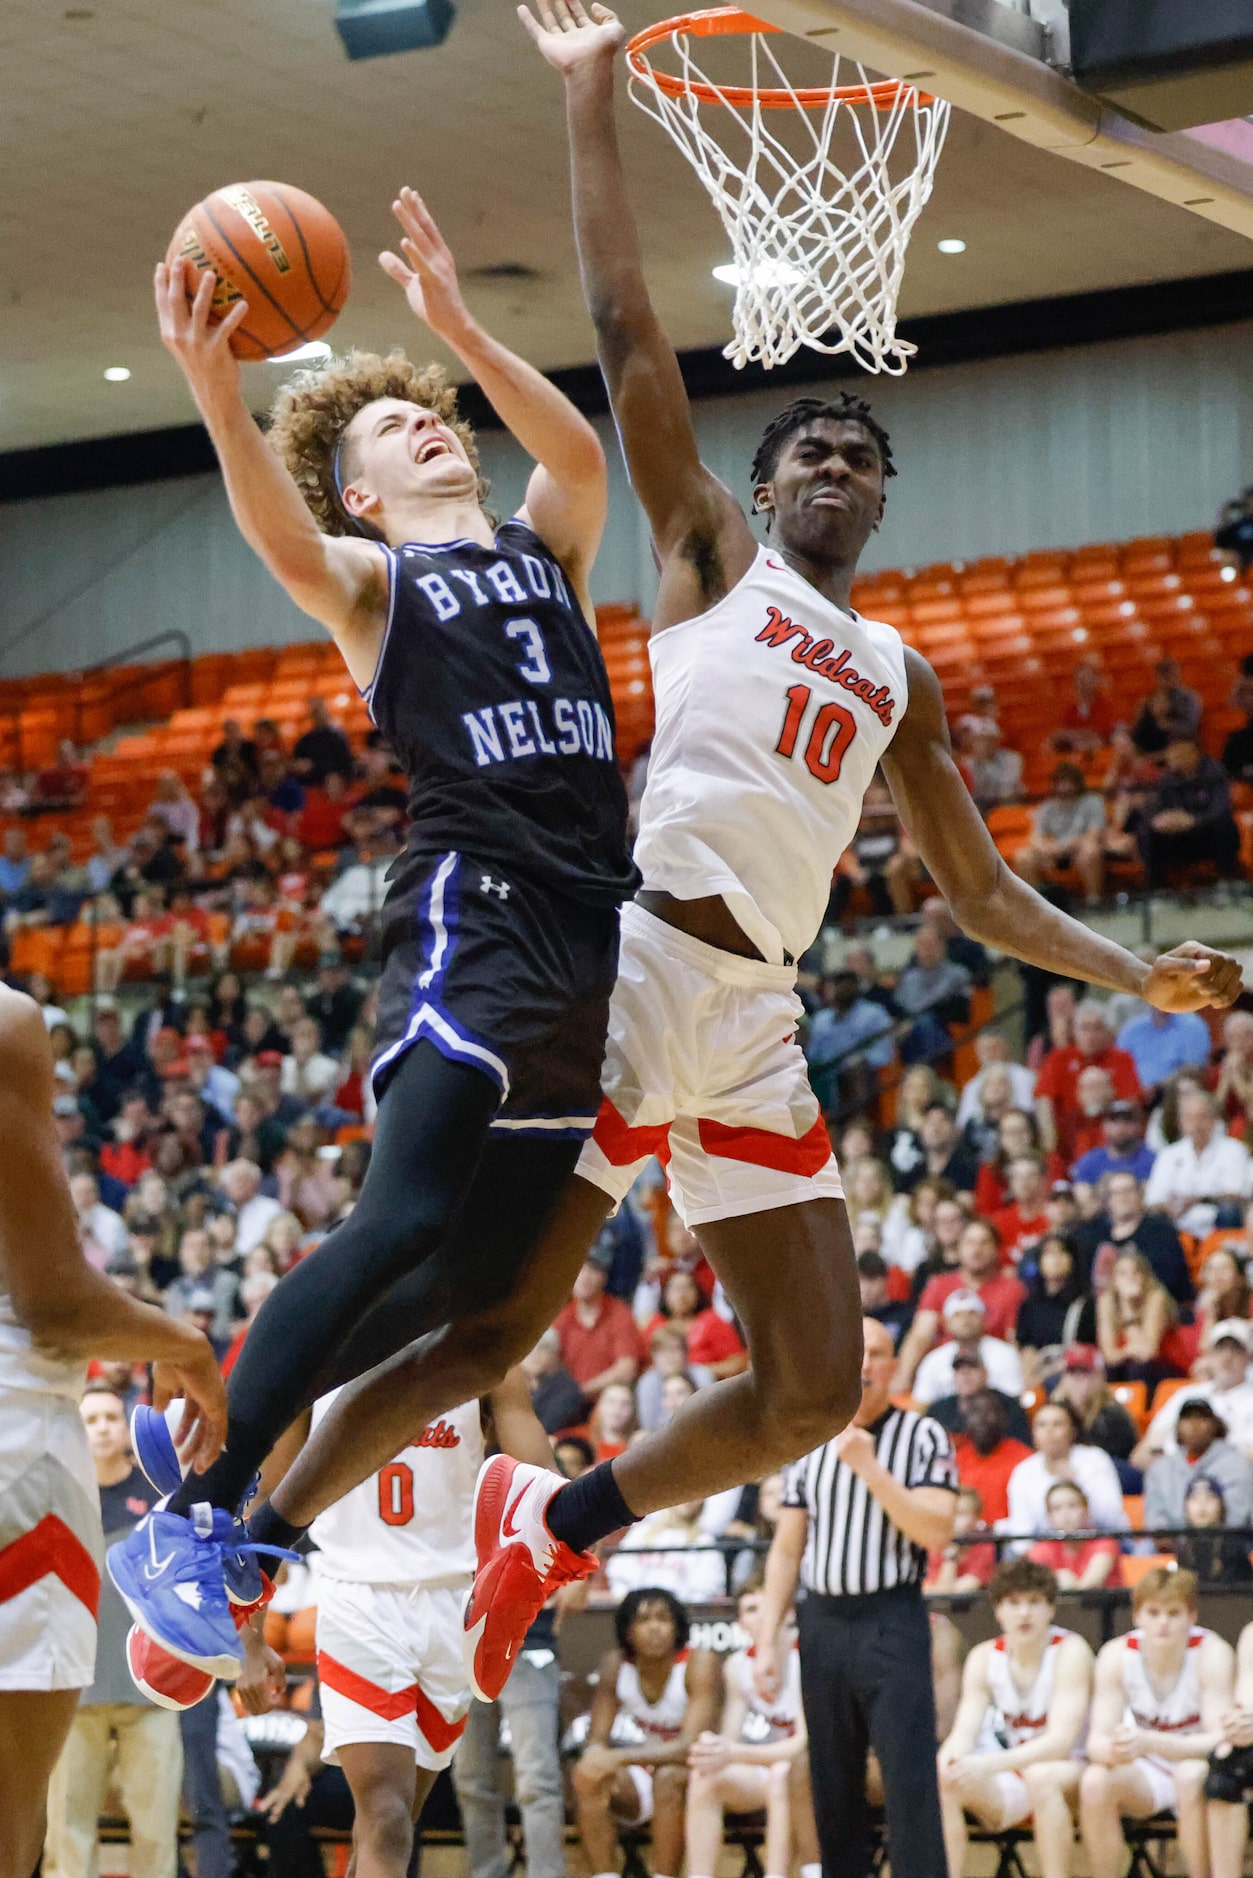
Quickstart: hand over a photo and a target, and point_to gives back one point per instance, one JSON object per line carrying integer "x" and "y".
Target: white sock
{"x": 811, "y": 1871}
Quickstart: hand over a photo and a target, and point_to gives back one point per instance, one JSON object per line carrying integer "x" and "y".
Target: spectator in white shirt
{"x": 964, "y": 1318}
{"x": 1203, "y": 1170}
{"x": 356, "y": 896}
{"x": 307, "y": 1072}
{"x": 1061, "y": 1455}
{"x": 103, "y": 1231}
{"x": 672, "y": 1549}
{"x": 992, "y": 1050}
{"x": 240, "y": 1181}
{"x": 177, "y": 809}
{"x": 1227, "y": 1390}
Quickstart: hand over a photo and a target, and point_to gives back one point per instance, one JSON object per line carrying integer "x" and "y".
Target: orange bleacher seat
{"x": 37, "y": 949}
{"x": 1164, "y": 1390}
{"x": 1044, "y": 597}
{"x": 1136, "y": 1566}
{"x": 1133, "y": 1507}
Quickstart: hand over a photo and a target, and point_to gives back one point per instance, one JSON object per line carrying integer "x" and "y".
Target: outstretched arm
{"x": 701, "y": 534}
{"x": 567, "y": 496}
{"x": 994, "y": 905}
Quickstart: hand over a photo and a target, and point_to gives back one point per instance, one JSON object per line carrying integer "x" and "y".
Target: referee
{"x": 859, "y": 1516}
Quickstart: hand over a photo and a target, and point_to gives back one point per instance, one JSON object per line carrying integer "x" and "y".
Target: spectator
{"x": 308, "y": 1073}
{"x": 323, "y": 750}
{"x": 970, "y": 1378}
{"x": 1057, "y": 1102}
{"x": 1169, "y": 712}
{"x": 879, "y": 859}
{"x": 14, "y": 862}
{"x": 240, "y": 1181}
{"x": 199, "y": 1273}
{"x": 613, "y": 1421}
{"x": 993, "y": 773}
{"x": 711, "y": 1340}
{"x": 118, "y": 1739}
{"x": 1094, "y": 1097}
{"x": 1217, "y": 1558}
{"x": 1234, "y": 1089}
{"x": 1022, "y": 1223}
{"x": 935, "y": 993}
{"x": 63, "y": 785}
{"x": 1077, "y": 1564}
{"x": 235, "y": 754}
{"x": 1202, "y": 1174}
{"x": 173, "y": 806}
{"x": 1122, "y": 1151}
{"x": 849, "y": 1041}
{"x": 987, "y": 1455}
{"x": 1052, "y": 1316}
{"x": 356, "y": 895}
{"x": 992, "y": 1052}
{"x": 1060, "y": 1455}
{"x": 944, "y": 1153}
{"x": 1224, "y": 1289}
{"x": 1123, "y": 1221}
{"x": 335, "y": 1002}
{"x": 667, "y": 1346}
{"x": 599, "y": 1341}
{"x": 964, "y": 1318}
{"x": 1105, "y": 1423}
{"x": 1134, "y": 1317}
{"x": 1227, "y": 1391}
{"x": 1016, "y": 1134}
{"x": 1068, "y": 833}
{"x": 902, "y": 1147}
{"x": 958, "y": 946}
{"x": 1237, "y": 757}
{"x": 672, "y": 1549}
{"x": 103, "y": 1231}
{"x": 650, "y": 1669}
{"x": 1189, "y": 818}
{"x": 978, "y": 1270}
{"x": 555, "y": 1395}
{"x": 1201, "y": 1447}
{"x": 1234, "y": 530}
{"x": 872, "y": 1276}
{"x": 1161, "y": 1042}
{"x": 962, "y": 1566}
{"x": 1090, "y": 719}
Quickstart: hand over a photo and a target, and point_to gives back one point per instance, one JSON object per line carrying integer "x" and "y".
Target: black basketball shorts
{"x": 504, "y": 974}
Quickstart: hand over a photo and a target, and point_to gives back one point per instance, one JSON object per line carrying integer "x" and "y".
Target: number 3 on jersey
{"x": 831, "y": 734}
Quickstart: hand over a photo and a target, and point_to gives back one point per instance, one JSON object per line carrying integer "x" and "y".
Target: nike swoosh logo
{"x": 776, "y": 565}
{"x": 158, "y": 1565}
{"x": 508, "y": 1528}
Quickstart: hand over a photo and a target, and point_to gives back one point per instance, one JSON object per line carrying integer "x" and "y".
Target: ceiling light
{"x": 117, "y": 374}
{"x": 764, "y": 274}
{"x": 951, "y": 246}
{"x": 316, "y": 349}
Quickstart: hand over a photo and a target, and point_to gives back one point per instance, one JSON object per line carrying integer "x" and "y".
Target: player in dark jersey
{"x": 471, "y": 642}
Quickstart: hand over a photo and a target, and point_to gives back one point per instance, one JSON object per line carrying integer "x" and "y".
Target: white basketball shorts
{"x": 702, "y": 1069}
{"x": 390, "y": 1668}
{"x": 51, "y": 1544}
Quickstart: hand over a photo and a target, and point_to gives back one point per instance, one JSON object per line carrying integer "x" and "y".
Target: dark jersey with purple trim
{"x": 493, "y": 693}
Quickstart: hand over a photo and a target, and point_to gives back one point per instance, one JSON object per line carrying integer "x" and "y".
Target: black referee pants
{"x": 866, "y": 1679}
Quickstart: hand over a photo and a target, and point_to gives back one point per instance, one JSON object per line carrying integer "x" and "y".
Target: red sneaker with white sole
{"x": 520, "y": 1565}
{"x": 167, "y": 1680}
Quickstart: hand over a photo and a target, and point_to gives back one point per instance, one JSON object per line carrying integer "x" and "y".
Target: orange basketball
{"x": 278, "y": 249}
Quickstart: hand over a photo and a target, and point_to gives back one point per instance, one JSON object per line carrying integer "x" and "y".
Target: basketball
{"x": 275, "y": 247}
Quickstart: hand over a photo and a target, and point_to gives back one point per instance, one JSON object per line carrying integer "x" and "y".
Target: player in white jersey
{"x": 775, "y": 703}
{"x": 1162, "y": 1695}
{"x": 670, "y": 1693}
{"x": 1013, "y": 1749}
{"x": 749, "y": 1764}
{"x": 56, "y": 1311}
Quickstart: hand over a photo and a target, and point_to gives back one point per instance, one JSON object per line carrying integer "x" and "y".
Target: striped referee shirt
{"x": 853, "y": 1547}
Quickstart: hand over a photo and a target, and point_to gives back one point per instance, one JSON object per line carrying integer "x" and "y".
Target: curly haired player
{"x": 471, "y": 642}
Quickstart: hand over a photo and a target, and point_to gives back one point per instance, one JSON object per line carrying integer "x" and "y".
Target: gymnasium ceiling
{"x": 116, "y": 115}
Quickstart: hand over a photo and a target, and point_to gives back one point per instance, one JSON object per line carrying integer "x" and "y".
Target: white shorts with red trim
{"x": 390, "y": 1668}
{"x": 51, "y": 1544}
{"x": 702, "y": 1069}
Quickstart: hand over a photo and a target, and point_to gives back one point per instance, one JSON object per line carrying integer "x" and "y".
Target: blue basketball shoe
{"x": 170, "y": 1573}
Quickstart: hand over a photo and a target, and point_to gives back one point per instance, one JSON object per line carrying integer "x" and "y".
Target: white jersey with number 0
{"x": 764, "y": 1721}
{"x": 411, "y": 1523}
{"x": 773, "y": 710}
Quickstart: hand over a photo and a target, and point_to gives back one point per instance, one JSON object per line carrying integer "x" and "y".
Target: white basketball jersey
{"x": 411, "y": 1523}
{"x": 773, "y": 710}
{"x": 22, "y": 1366}
{"x": 766, "y": 1721}
{"x": 662, "y": 1719}
{"x": 1178, "y": 1712}
{"x": 1018, "y": 1717}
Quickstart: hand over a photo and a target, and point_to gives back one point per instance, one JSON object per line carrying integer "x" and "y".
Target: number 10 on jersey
{"x": 830, "y": 734}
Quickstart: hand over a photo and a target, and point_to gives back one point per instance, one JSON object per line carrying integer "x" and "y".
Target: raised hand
{"x": 430, "y": 278}
{"x": 1191, "y": 977}
{"x": 203, "y": 350}
{"x": 568, "y": 37}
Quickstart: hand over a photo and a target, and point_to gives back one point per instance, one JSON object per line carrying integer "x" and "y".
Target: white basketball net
{"x": 819, "y": 253}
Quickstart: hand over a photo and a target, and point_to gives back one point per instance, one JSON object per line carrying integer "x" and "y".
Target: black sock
{"x": 589, "y": 1509}
{"x": 266, "y": 1527}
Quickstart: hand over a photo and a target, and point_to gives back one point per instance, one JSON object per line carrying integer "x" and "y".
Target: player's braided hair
{"x": 315, "y": 407}
{"x": 846, "y": 408}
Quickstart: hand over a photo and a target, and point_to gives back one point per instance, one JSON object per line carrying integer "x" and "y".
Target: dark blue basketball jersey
{"x": 492, "y": 691}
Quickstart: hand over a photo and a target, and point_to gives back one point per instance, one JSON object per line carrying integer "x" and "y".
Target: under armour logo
{"x": 499, "y": 887}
